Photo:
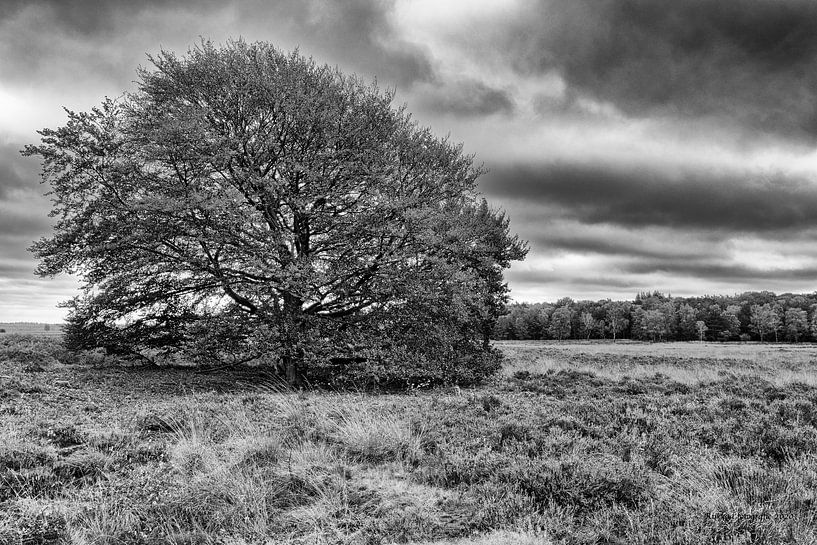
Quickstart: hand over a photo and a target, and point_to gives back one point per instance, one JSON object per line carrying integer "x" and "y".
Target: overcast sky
{"x": 637, "y": 144}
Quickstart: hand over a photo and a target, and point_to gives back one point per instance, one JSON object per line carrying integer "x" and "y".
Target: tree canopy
{"x": 247, "y": 201}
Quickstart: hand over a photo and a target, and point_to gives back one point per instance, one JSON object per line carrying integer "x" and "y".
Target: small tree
{"x": 601, "y": 328}
{"x": 560, "y": 323}
{"x": 655, "y": 324}
{"x": 247, "y": 195}
{"x": 764, "y": 319}
{"x": 687, "y": 322}
{"x": 730, "y": 324}
{"x": 588, "y": 323}
{"x": 796, "y": 324}
{"x": 813, "y": 322}
{"x": 700, "y": 326}
{"x": 617, "y": 313}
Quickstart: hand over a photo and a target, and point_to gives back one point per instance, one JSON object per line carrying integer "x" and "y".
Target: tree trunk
{"x": 294, "y": 331}
{"x": 291, "y": 369}
{"x": 487, "y": 329}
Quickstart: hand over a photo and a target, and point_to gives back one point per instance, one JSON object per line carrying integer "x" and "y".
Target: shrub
{"x": 32, "y": 525}
{"x": 375, "y": 438}
{"x": 401, "y": 367}
{"x": 583, "y": 484}
{"x": 82, "y": 466}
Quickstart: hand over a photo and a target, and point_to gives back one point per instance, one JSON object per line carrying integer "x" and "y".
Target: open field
{"x": 31, "y": 328}
{"x": 686, "y": 362}
{"x": 573, "y": 443}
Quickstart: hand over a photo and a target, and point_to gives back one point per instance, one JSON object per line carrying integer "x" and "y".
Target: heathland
{"x": 580, "y": 442}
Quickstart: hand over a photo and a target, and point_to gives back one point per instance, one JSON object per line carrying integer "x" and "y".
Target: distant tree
{"x": 776, "y": 320}
{"x": 47, "y": 327}
{"x": 2, "y": 330}
{"x": 617, "y": 313}
{"x": 560, "y": 323}
{"x": 588, "y": 324}
{"x": 670, "y": 319}
{"x": 813, "y": 322}
{"x": 687, "y": 322}
{"x": 543, "y": 312}
{"x": 764, "y": 320}
{"x": 637, "y": 323}
{"x": 655, "y": 324}
{"x": 700, "y": 326}
{"x": 796, "y": 324}
{"x": 601, "y": 329}
{"x": 251, "y": 195}
{"x": 730, "y": 324}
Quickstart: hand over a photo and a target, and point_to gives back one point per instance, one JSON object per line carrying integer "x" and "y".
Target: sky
{"x": 636, "y": 144}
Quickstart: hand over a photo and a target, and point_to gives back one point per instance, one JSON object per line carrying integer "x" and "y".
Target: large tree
{"x": 249, "y": 198}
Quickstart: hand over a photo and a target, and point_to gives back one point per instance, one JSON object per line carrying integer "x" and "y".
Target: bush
{"x": 376, "y": 438}
{"x": 32, "y": 526}
{"x": 30, "y": 351}
{"x": 404, "y": 368}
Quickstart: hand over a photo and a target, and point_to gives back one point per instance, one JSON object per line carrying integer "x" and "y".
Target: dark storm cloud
{"x": 16, "y": 269}
{"x": 41, "y": 37}
{"x": 647, "y": 196}
{"x": 22, "y": 224}
{"x": 616, "y": 242}
{"x": 720, "y": 271}
{"x": 750, "y": 60}
{"x": 539, "y": 277}
{"x": 16, "y": 172}
{"x": 466, "y": 98}
{"x": 360, "y": 33}
{"x": 90, "y": 17}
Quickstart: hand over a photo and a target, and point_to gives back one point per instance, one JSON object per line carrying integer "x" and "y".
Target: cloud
{"x": 745, "y": 60}
{"x": 729, "y": 272}
{"x": 638, "y": 196}
{"x": 541, "y": 277}
{"x": 16, "y": 172}
{"x": 464, "y": 97}
{"x": 107, "y": 40}
{"x": 362, "y": 33}
{"x": 559, "y": 236}
{"x": 90, "y": 18}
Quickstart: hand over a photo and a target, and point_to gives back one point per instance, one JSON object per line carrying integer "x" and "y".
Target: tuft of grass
{"x": 496, "y": 537}
{"x": 373, "y": 437}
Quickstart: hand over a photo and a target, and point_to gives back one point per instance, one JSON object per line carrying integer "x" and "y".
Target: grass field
{"x": 687, "y": 362}
{"x": 573, "y": 443}
{"x": 31, "y": 328}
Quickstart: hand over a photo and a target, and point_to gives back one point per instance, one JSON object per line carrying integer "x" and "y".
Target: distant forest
{"x": 760, "y": 316}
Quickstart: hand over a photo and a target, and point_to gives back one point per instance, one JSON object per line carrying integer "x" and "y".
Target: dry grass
{"x": 374, "y": 437}
{"x": 762, "y": 353}
{"x": 577, "y": 443}
{"x": 684, "y": 362}
{"x": 500, "y": 537}
{"x": 31, "y": 328}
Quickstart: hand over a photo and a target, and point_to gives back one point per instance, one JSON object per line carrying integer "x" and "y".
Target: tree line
{"x": 653, "y": 316}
